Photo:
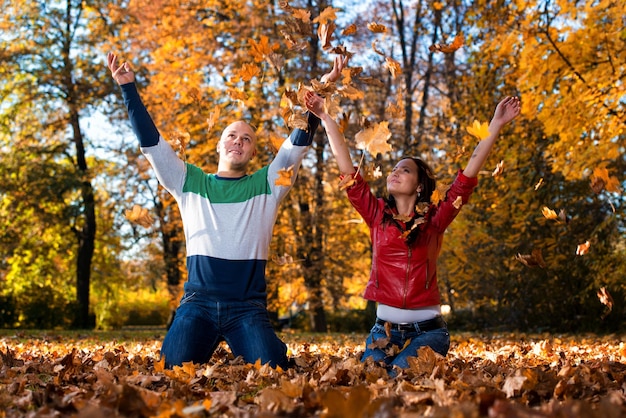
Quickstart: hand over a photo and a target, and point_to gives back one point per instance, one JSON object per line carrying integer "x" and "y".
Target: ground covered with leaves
{"x": 48, "y": 374}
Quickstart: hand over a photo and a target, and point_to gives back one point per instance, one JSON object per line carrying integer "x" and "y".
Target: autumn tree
{"x": 51, "y": 50}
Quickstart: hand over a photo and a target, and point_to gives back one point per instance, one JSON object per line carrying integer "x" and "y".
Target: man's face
{"x": 237, "y": 144}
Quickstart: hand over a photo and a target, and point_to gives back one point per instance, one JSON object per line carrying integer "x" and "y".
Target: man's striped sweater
{"x": 228, "y": 222}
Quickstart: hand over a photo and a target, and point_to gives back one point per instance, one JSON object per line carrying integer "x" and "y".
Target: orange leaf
{"x": 601, "y": 180}
{"x": 374, "y": 139}
{"x": 213, "y": 118}
{"x": 249, "y": 71}
{"x": 302, "y": 14}
{"x": 377, "y": 27}
{"x": 583, "y": 248}
{"x": 328, "y": 14}
{"x": 439, "y": 194}
{"x": 325, "y": 33}
{"x": 549, "y": 213}
{"x": 140, "y": 216}
{"x": 350, "y": 30}
{"x": 346, "y": 182}
{"x": 393, "y": 66}
{"x": 534, "y": 259}
{"x": 284, "y": 177}
{"x": 458, "y": 42}
{"x": 261, "y": 49}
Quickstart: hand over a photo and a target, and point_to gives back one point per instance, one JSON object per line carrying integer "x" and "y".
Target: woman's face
{"x": 403, "y": 179}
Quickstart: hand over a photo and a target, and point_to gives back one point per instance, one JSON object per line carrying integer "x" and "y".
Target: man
{"x": 228, "y": 218}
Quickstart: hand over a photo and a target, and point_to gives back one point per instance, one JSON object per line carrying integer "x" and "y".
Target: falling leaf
{"x": 140, "y": 216}
{"x": 283, "y": 259}
{"x": 377, "y": 27}
{"x": 393, "y": 66}
{"x": 606, "y": 299}
{"x": 237, "y": 95}
{"x": 499, "y": 169}
{"x": 479, "y": 130}
{"x": 439, "y": 193}
{"x": 351, "y": 92}
{"x": 181, "y": 139}
{"x": 458, "y": 42}
{"x": 377, "y": 173}
{"x": 248, "y": 72}
{"x": 534, "y": 259}
{"x": 284, "y": 177}
{"x": 458, "y": 202}
{"x": 422, "y": 208}
{"x": 350, "y": 30}
{"x": 379, "y": 52}
{"x": 325, "y": 33}
{"x": 402, "y": 218}
{"x": 214, "y": 116}
{"x": 302, "y": 14}
{"x": 539, "y": 184}
{"x": 583, "y": 248}
{"x": 346, "y": 182}
{"x": 601, "y": 180}
{"x": 275, "y": 142}
{"x": 259, "y": 50}
{"x": 328, "y": 14}
{"x": 549, "y": 213}
{"x": 374, "y": 139}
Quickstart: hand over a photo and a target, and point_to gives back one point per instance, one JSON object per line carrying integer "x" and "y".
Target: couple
{"x": 228, "y": 218}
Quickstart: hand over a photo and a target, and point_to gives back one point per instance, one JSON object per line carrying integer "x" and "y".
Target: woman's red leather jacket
{"x": 405, "y": 276}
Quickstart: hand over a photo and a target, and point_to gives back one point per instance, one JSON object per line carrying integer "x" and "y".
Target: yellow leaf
{"x": 374, "y": 139}
{"x": 479, "y": 130}
{"x": 549, "y": 213}
{"x": 284, "y": 176}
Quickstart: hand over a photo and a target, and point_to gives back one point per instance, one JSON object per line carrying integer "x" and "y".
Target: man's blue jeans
{"x": 438, "y": 340}
{"x": 201, "y": 324}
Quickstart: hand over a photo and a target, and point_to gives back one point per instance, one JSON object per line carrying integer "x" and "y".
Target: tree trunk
{"x": 86, "y": 233}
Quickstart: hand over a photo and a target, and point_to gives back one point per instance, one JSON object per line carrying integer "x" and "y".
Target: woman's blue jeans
{"x": 438, "y": 340}
{"x": 201, "y": 324}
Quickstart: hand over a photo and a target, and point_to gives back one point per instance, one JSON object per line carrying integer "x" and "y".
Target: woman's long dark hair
{"x": 426, "y": 178}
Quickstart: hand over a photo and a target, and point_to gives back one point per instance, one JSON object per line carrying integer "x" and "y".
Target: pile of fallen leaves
{"x": 50, "y": 375}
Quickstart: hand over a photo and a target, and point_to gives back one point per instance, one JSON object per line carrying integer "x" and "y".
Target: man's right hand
{"x": 123, "y": 74}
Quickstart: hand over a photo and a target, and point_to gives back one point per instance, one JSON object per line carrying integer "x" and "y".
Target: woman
{"x": 407, "y": 230}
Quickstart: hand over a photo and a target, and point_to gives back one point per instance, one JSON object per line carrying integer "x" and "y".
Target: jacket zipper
{"x": 406, "y": 278}
{"x": 427, "y": 278}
